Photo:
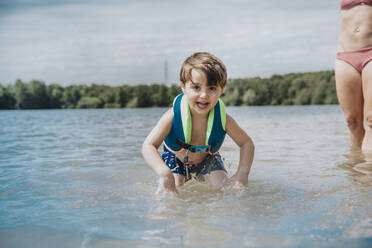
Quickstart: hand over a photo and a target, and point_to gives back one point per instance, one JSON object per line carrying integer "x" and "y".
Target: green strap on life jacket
{"x": 187, "y": 122}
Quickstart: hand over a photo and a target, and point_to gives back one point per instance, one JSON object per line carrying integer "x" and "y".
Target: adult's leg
{"x": 367, "y": 93}
{"x": 350, "y": 97}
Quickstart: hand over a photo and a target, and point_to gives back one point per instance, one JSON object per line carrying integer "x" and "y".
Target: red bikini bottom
{"x": 357, "y": 58}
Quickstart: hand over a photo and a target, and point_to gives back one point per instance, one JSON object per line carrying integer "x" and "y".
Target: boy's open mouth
{"x": 202, "y": 105}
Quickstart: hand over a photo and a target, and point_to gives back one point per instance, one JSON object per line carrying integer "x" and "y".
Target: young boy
{"x": 194, "y": 130}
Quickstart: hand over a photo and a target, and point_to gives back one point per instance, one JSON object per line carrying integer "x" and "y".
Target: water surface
{"x": 76, "y": 178}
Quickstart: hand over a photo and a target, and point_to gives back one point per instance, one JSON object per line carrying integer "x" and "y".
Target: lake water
{"x": 76, "y": 178}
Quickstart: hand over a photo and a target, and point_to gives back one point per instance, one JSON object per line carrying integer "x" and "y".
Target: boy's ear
{"x": 223, "y": 91}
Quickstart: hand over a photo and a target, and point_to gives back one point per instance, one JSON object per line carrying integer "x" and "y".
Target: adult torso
{"x": 356, "y": 27}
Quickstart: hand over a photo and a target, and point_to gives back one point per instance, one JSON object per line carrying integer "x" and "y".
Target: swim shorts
{"x": 210, "y": 163}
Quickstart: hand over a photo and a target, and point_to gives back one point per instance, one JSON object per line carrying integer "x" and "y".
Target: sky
{"x": 116, "y": 42}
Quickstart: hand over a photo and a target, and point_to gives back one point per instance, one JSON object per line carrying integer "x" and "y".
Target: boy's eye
{"x": 195, "y": 87}
{"x": 212, "y": 88}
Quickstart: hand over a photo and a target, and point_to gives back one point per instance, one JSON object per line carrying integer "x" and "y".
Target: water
{"x": 76, "y": 178}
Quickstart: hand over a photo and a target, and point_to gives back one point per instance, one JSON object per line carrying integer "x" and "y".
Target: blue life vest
{"x": 180, "y": 135}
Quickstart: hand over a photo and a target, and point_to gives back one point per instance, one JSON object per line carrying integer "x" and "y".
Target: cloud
{"x": 128, "y": 41}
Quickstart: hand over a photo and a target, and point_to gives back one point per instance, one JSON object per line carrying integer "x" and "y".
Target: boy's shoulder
{"x": 229, "y": 119}
{"x": 168, "y": 115}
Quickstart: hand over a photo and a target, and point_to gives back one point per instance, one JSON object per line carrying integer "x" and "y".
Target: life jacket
{"x": 180, "y": 135}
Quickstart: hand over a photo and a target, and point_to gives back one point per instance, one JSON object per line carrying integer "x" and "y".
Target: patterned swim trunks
{"x": 210, "y": 163}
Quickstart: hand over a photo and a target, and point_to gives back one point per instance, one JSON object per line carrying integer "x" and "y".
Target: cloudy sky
{"x": 119, "y": 42}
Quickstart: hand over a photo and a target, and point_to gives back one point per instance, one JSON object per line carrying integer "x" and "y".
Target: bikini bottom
{"x": 357, "y": 58}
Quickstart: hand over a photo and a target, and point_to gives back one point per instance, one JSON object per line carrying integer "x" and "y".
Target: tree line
{"x": 288, "y": 89}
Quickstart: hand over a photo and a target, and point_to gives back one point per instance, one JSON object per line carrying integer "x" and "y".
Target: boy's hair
{"x": 212, "y": 67}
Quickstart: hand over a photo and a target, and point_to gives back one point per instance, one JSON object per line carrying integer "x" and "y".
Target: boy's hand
{"x": 167, "y": 184}
{"x": 240, "y": 179}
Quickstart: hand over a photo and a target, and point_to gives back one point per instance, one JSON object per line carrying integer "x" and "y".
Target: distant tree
{"x": 287, "y": 89}
{"x": 173, "y": 91}
{"x": 107, "y": 96}
{"x": 319, "y": 93}
{"x": 90, "y": 102}
{"x": 232, "y": 96}
{"x": 20, "y": 93}
{"x": 122, "y": 96}
{"x": 160, "y": 96}
{"x": 32, "y": 95}
{"x": 71, "y": 96}
{"x": 55, "y": 95}
{"x": 142, "y": 96}
{"x": 7, "y": 100}
{"x": 249, "y": 97}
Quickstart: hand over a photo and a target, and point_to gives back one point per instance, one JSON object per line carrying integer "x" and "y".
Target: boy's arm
{"x": 151, "y": 155}
{"x": 246, "y": 145}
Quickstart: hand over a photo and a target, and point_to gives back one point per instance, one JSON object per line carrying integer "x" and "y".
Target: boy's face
{"x": 202, "y": 98}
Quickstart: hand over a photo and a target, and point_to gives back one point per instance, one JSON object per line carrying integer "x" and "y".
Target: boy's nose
{"x": 203, "y": 93}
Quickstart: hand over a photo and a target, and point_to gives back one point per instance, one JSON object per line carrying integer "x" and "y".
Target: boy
{"x": 194, "y": 129}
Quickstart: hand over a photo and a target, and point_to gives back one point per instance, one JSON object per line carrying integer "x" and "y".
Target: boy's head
{"x": 211, "y": 66}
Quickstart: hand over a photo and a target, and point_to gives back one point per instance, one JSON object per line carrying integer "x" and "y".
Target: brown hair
{"x": 212, "y": 67}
